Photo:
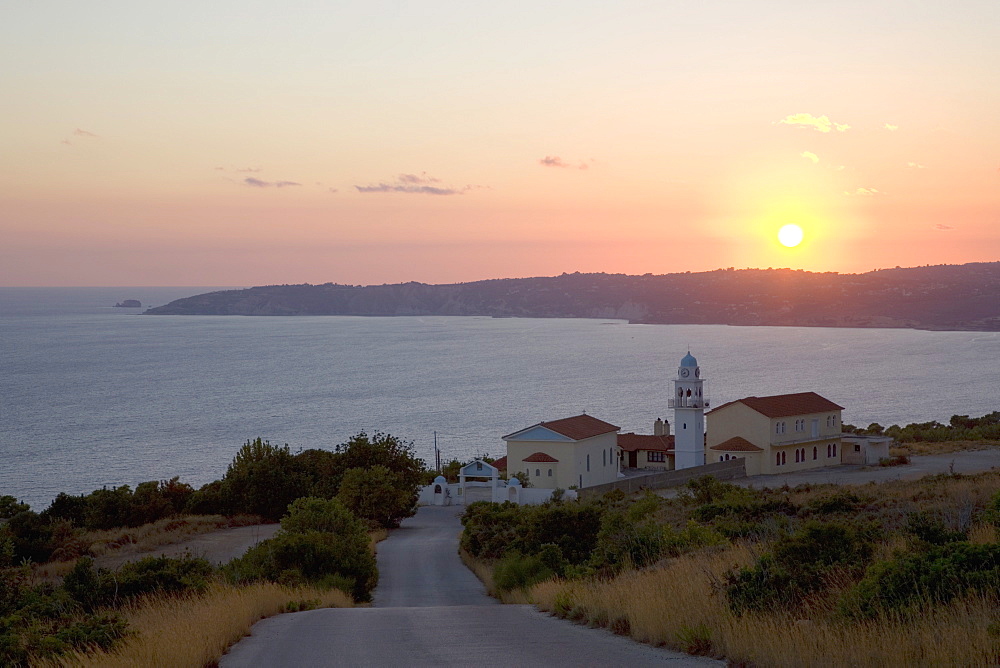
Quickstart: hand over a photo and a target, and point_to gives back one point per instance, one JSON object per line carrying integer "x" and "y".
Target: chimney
{"x": 658, "y": 427}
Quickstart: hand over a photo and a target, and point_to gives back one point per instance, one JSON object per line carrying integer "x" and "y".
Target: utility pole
{"x": 437, "y": 453}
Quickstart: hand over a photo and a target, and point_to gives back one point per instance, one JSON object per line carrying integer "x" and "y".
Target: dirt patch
{"x": 216, "y": 546}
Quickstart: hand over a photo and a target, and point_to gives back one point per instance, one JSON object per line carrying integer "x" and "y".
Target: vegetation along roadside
{"x": 59, "y": 606}
{"x": 902, "y": 573}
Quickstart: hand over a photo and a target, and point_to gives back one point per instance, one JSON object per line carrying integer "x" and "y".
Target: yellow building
{"x": 579, "y": 451}
{"x": 777, "y": 434}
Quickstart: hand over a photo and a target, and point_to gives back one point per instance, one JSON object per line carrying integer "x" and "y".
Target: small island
{"x": 129, "y": 303}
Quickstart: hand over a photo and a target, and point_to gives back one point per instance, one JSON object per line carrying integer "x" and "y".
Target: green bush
{"x": 799, "y": 565}
{"x": 313, "y": 556}
{"x": 931, "y": 530}
{"x": 936, "y": 576}
{"x": 519, "y": 572}
{"x": 320, "y": 542}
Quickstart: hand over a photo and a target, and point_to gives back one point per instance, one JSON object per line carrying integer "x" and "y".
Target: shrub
{"x": 320, "y": 542}
{"x": 936, "y": 576}
{"x": 800, "y": 564}
{"x": 316, "y": 557}
{"x": 929, "y": 529}
{"x": 520, "y": 572}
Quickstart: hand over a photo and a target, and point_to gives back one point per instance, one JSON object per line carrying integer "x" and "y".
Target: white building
{"x": 579, "y": 451}
{"x": 689, "y": 403}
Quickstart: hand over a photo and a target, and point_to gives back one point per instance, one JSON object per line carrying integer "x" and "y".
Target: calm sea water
{"x": 92, "y": 395}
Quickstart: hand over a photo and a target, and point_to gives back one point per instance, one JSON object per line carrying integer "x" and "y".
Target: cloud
{"x": 890, "y": 127}
{"x": 83, "y": 133}
{"x": 67, "y": 142}
{"x": 810, "y": 156}
{"x": 249, "y": 170}
{"x": 413, "y": 189}
{"x": 556, "y": 161}
{"x": 915, "y": 165}
{"x": 819, "y": 123}
{"x": 417, "y": 179}
{"x": 414, "y": 184}
{"x": 864, "y": 192}
{"x": 941, "y": 226}
{"x": 257, "y": 183}
{"x": 332, "y": 190}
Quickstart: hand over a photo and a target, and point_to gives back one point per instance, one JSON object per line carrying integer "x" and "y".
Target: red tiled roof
{"x": 580, "y": 427}
{"x": 630, "y": 442}
{"x": 737, "y": 444}
{"x": 785, "y": 405}
{"x": 540, "y": 457}
{"x": 501, "y": 463}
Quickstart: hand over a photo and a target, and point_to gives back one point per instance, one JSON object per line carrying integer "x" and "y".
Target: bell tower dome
{"x": 689, "y": 403}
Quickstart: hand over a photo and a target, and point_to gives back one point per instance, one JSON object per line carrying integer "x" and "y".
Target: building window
{"x": 815, "y": 452}
{"x": 604, "y": 458}
{"x": 550, "y": 473}
{"x": 834, "y": 449}
{"x": 777, "y": 459}
{"x": 720, "y": 458}
{"x": 538, "y": 474}
{"x": 588, "y": 462}
{"x": 782, "y": 458}
{"x": 827, "y": 449}
{"x": 857, "y": 447}
{"x": 653, "y": 456}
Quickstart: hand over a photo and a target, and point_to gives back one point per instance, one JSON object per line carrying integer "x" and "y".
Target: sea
{"x": 93, "y": 396}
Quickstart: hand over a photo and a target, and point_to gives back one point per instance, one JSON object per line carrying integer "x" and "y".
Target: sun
{"x": 790, "y": 236}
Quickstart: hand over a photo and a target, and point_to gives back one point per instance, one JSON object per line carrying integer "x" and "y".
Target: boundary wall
{"x": 728, "y": 470}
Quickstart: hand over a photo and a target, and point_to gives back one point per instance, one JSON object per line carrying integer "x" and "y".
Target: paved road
{"x": 431, "y": 611}
{"x": 968, "y": 461}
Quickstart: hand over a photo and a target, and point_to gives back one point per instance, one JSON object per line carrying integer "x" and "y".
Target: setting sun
{"x": 790, "y": 235}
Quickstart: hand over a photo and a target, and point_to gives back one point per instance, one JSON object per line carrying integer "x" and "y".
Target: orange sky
{"x": 250, "y": 143}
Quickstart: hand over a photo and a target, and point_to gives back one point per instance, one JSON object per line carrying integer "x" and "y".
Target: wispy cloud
{"x": 556, "y": 161}
{"x": 248, "y": 170}
{"x": 257, "y": 183}
{"x": 864, "y": 192}
{"x": 890, "y": 127}
{"x": 819, "y": 123}
{"x": 83, "y": 133}
{"x": 943, "y": 227}
{"x": 332, "y": 190}
{"x": 915, "y": 165}
{"x": 414, "y": 184}
{"x": 810, "y": 156}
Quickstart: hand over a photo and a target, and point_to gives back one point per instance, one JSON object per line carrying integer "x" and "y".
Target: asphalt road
{"x": 430, "y": 610}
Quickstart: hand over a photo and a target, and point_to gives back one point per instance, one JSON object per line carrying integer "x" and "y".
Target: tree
{"x": 362, "y": 451}
{"x": 378, "y": 495}
{"x": 262, "y": 480}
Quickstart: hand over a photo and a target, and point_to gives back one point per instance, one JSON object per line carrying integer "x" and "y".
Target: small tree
{"x": 262, "y": 480}
{"x": 378, "y": 495}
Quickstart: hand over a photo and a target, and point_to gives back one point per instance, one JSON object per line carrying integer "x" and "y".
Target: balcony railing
{"x": 688, "y": 402}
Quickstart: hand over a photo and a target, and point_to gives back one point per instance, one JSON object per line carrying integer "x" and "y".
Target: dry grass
{"x": 943, "y": 448}
{"x": 167, "y": 531}
{"x": 196, "y": 630}
{"x": 676, "y": 605}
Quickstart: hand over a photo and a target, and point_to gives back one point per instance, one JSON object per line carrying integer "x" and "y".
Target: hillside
{"x": 942, "y": 297}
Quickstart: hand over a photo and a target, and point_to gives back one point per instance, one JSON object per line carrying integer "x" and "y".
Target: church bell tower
{"x": 689, "y": 405}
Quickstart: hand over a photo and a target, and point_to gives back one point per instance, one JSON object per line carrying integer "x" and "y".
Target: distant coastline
{"x": 942, "y": 297}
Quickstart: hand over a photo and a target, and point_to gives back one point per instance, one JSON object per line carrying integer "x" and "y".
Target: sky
{"x": 249, "y": 143}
